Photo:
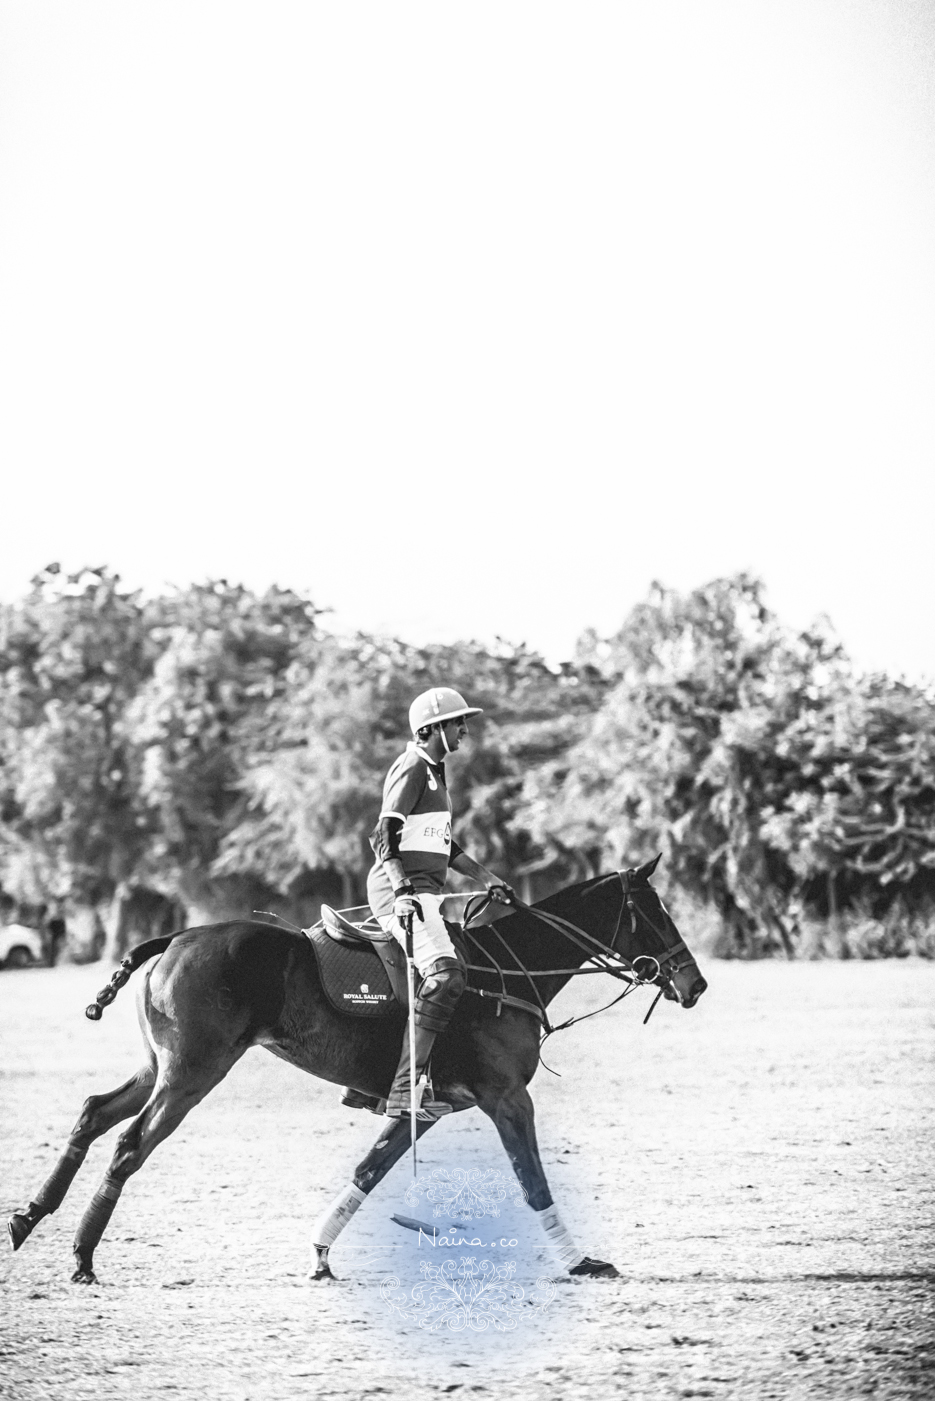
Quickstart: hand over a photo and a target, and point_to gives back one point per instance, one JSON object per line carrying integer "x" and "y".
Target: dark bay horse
{"x": 210, "y": 993}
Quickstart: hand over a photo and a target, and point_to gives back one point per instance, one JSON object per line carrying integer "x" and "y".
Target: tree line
{"x": 212, "y": 751}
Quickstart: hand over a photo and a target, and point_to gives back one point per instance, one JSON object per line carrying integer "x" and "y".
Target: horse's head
{"x": 647, "y": 937}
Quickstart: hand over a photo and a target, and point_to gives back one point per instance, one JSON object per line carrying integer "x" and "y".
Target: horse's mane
{"x": 521, "y": 925}
{"x": 590, "y": 884}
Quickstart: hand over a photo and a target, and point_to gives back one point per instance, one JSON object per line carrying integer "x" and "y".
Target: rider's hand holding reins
{"x": 501, "y": 893}
{"x": 406, "y": 906}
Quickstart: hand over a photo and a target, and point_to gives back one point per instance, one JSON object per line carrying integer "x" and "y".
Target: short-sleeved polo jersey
{"x": 415, "y": 791}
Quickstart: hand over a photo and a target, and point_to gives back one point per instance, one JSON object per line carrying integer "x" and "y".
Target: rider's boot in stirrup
{"x": 428, "y": 1108}
{"x": 435, "y": 1002}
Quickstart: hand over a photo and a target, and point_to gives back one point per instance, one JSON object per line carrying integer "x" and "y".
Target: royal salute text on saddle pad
{"x": 355, "y": 980}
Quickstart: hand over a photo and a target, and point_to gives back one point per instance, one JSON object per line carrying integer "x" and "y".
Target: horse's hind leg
{"x": 176, "y": 1092}
{"x": 99, "y": 1114}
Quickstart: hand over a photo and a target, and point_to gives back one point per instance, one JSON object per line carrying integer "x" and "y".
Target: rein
{"x": 605, "y": 957}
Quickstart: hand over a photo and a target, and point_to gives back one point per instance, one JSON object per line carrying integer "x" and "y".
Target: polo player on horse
{"x": 413, "y": 847}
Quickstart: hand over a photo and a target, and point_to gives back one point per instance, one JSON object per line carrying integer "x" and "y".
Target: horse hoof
{"x": 323, "y": 1272}
{"x": 20, "y": 1226}
{"x": 595, "y": 1269}
{"x": 84, "y": 1275}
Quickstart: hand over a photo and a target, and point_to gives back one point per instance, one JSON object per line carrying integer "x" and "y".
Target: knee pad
{"x": 439, "y": 993}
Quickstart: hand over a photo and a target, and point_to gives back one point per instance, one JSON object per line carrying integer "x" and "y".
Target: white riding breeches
{"x": 430, "y": 938}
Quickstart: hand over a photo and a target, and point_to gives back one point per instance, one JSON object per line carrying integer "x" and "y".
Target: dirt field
{"x": 759, "y": 1169}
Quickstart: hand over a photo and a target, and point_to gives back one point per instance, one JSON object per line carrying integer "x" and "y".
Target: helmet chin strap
{"x": 441, "y": 731}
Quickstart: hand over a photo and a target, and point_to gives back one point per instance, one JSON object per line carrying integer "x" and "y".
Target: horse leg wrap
{"x": 335, "y": 1217}
{"x": 559, "y": 1238}
{"x": 56, "y": 1184}
{"x": 52, "y": 1192}
{"x": 93, "y": 1223}
{"x": 439, "y": 994}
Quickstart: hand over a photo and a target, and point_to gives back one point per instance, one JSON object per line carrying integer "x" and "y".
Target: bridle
{"x": 604, "y": 957}
{"x": 670, "y": 963}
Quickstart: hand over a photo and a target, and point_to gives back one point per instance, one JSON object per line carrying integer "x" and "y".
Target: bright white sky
{"x": 474, "y": 319}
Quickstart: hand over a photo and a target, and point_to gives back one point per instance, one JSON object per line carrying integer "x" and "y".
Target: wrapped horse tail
{"x": 134, "y": 959}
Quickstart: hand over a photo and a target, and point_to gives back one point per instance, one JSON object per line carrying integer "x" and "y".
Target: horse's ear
{"x": 644, "y": 872}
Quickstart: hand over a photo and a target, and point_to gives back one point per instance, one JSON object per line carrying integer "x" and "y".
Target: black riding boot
{"x": 435, "y": 1003}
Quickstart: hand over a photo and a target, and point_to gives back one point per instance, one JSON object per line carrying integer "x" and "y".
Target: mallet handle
{"x": 410, "y": 974}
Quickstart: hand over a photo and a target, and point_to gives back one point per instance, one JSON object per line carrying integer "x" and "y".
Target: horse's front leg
{"x": 511, "y": 1109}
{"x": 393, "y": 1142}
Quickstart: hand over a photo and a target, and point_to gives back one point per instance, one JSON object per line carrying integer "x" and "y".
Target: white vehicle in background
{"x": 20, "y": 946}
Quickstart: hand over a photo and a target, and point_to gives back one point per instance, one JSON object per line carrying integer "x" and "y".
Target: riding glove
{"x": 406, "y": 906}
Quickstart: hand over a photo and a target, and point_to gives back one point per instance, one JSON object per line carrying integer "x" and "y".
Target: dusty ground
{"x": 759, "y": 1169}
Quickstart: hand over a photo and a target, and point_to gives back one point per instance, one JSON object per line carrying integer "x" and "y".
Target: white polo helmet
{"x": 435, "y": 706}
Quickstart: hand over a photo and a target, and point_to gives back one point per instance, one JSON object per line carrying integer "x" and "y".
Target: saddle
{"x": 363, "y": 970}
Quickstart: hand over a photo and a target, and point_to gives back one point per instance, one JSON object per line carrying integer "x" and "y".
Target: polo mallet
{"x": 412, "y": 1223}
{"x": 411, "y": 982}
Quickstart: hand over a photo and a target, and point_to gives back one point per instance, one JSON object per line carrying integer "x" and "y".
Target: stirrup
{"x": 427, "y": 1113}
{"x": 428, "y": 1108}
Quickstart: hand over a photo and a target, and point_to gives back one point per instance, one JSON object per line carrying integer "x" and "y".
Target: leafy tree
{"x": 72, "y": 656}
{"x": 206, "y": 712}
{"x": 212, "y": 736}
{"x": 344, "y": 719}
{"x": 533, "y": 714}
{"x": 684, "y": 753}
{"x": 861, "y": 812}
{"x": 313, "y": 794}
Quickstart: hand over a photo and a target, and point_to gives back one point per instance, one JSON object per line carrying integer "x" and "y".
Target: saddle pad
{"x": 354, "y": 980}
